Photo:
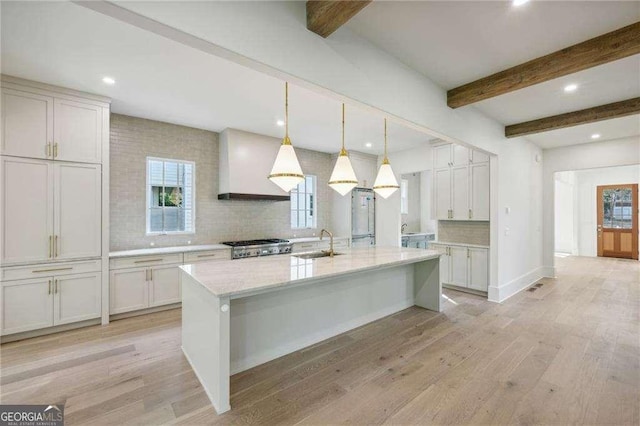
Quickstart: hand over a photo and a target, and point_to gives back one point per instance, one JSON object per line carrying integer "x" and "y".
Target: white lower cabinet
{"x": 478, "y": 268}
{"x": 165, "y": 286}
{"x": 466, "y": 267}
{"x": 31, "y": 304}
{"x": 141, "y": 288}
{"x": 458, "y": 260}
{"x": 128, "y": 290}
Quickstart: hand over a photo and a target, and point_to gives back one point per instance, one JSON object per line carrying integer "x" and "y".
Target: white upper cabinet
{"x": 441, "y": 156}
{"x": 460, "y": 193}
{"x": 27, "y": 124}
{"x": 442, "y": 193}
{"x": 467, "y": 172}
{"x": 77, "y": 215}
{"x": 26, "y": 192}
{"x": 77, "y": 131}
{"x": 459, "y": 155}
{"x": 479, "y": 209}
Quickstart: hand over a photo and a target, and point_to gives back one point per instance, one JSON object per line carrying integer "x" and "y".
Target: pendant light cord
{"x": 286, "y": 141}
{"x": 386, "y": 160}
{"x": 344, "y": 151}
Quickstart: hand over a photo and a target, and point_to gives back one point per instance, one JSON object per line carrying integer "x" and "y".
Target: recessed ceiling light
{"x": 595, "y": 136}
{"x": 570, "y": 87}
{"x": 368, "y": 144}
{"x": 108, "y": 80}
{"x": 519, "y": 2}
{"x": 280, "y": 123}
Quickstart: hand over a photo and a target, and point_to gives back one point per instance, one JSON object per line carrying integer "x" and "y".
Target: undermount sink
{"x": 315, "y": 254}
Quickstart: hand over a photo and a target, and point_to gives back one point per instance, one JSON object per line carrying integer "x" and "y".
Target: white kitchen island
{"x": 237, "y": 314}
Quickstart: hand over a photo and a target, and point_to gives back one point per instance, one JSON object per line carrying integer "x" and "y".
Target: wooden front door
{"x": 618, "y": 221}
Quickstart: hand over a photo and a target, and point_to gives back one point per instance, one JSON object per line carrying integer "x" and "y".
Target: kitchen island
{"x": 237, "y": 314}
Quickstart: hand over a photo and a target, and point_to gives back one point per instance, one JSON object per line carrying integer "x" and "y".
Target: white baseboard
{"x": 502, "y": 293}
{"x": 548, "y": 271}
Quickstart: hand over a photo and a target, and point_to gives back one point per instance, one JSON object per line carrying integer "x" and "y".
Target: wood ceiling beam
{"x": 575, "y": 118}
{"x": 324, "y": 17}
{"x": 600, "y": 50}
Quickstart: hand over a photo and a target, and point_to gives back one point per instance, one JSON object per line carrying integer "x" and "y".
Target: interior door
{"x": 618, "y": 221}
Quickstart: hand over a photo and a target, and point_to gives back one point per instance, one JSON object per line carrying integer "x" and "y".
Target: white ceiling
{"x": 456, "y": 42}
{"x": 71, "y": 46}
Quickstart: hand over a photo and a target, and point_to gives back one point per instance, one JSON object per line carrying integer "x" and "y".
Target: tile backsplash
{"x": 463, "y": 232}
{"x": 134, "y": 139}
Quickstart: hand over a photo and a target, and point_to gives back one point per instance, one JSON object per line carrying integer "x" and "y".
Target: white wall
{"x": 565, "y": 229}
{"x": 579, "y": 157}
{"x": 272, "y": 37}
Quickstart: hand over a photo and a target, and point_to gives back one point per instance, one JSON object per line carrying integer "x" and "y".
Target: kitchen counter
{"x": 166, "y": 250}
{"x": 237, "y": 314}
{"x": 445, "y": 243}
{"x": 234, "y": 278}
{"x": 417, "y": 234}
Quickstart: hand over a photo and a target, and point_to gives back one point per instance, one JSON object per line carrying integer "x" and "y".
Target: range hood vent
{"x": 245, "y": 163}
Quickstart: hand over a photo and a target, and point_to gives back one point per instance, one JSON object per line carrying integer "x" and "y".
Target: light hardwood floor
{"x": 568, "y": 352}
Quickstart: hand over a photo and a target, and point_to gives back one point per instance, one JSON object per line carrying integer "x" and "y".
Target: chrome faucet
{"x": 330, "y": 243}
{"x": 402, "y": 228}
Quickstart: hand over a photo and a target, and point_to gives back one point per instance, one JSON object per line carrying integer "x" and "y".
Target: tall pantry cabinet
{"x": 54, "y": 243}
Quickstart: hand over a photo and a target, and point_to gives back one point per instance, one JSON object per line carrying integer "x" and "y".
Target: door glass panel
{"x": 617, "y": 208}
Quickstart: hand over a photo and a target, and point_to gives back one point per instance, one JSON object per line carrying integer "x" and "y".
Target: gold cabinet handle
{"x": 207, "y": 255}
{"x": 48, "y": 150}
{"x": 55, "y": 150}
{"x": 55, "y": 246}
{"x": 470, "y": 214}
{"x": 49, "y": 286}
{"x": 150, "y": 274}
{"x": 147, "y": 261}
{"x": 55, "y": 286}
{"x": 50, "y": 242}
{"x": 468, "y": 254}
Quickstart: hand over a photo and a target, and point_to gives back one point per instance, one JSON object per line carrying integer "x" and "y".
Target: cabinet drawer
{"x": 203, "y": 256}
{"x": 138, "y": 261}
{"x": 50, "y": 269}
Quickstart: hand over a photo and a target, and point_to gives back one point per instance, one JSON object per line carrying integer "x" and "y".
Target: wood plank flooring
{"x": 567, "y": 352}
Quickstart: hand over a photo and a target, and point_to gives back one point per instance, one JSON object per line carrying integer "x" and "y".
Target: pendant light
{"x": 286, "y": 171}
{"x": 386, "y": 183}
{"x": 343, "y": 179}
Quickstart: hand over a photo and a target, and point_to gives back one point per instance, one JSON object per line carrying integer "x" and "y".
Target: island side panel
{"x": 427, "y": 285}
{"x": 205, "y": 340}
{"x": 270, "y": 325}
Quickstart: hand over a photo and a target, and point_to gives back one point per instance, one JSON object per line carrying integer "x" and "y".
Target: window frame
{"x": 314, "y": 210}
{"x": 148, "y": 197}
{"x": 404, "y": 196}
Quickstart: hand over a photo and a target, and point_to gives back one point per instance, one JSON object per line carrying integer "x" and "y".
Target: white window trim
{"x": 315, "y": 210}
{"x": 148, "y": 200}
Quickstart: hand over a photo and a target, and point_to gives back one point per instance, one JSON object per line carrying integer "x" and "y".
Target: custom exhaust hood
{"x": 245, "y": 163}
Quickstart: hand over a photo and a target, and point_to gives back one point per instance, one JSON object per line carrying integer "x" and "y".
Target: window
{"x": 303, "y": 204}
{"x": 404, "y": 196}
{"x": 170, "y": 196}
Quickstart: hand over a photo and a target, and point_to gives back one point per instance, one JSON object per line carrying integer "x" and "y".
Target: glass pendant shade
{"x": 286, "y": 171}
{"x": 386, "y": 183}
{"x": 343, "y": 179}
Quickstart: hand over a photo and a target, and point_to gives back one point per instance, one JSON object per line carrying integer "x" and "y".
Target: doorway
{"x": 618, "y": 220}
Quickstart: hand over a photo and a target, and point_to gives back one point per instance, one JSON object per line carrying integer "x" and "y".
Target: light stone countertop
{"x": 445, "y": 243}
{"x": 244, "y": 277}
{"x": 417, "y": 234}
{"x": 312, "y": 239}
{"x": 167, "y": 250}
